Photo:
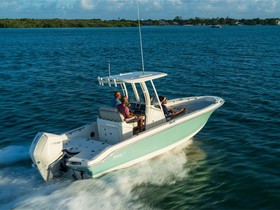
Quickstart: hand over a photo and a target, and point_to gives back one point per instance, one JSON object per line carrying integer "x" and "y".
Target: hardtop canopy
{"x": 131, "y": 77}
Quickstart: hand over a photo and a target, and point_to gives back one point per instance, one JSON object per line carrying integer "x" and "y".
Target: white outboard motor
{"x": 45, "y": 152}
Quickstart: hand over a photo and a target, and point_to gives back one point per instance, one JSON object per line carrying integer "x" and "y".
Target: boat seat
{"x": 112, "y": 114}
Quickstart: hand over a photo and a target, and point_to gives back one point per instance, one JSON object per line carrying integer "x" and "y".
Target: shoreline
{"x": 98, "y": 23}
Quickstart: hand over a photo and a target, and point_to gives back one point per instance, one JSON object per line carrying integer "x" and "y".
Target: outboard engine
{"x": 46, "y": 154}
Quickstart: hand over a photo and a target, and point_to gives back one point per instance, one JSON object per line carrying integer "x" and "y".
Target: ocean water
{"x": 48, "y": 83}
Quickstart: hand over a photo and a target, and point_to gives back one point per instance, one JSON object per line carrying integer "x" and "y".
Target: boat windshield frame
{"x": 133, "y": 79}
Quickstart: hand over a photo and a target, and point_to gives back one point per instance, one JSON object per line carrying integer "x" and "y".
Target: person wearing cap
{"x": 169, "y": 112}
{"x": 116, "y": 99}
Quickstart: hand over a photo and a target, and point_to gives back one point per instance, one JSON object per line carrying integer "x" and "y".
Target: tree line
{"x": 226, "y": 21}
{"x": 89, "y": 23}
{"x": 64, "y": 23}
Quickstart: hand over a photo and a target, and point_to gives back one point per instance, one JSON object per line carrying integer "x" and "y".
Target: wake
{"x": 115, "y": 190}
{"x": 13, "y": 154}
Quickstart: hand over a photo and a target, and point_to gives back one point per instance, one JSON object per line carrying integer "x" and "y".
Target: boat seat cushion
{"x": 112, "y": 114}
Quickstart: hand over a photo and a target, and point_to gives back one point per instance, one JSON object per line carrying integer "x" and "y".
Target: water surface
{"x": 48, "y": 83}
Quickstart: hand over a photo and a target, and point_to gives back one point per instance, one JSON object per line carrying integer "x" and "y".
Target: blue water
{"x": 48, "y": 83}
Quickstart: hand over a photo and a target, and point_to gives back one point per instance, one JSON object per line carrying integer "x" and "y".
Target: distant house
{"x": 163, "y": 23}
{"x": 277, "y": 21}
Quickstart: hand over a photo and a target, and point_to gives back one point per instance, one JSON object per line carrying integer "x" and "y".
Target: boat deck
{"x": 192, "y": 104}
{"x": 86, "y": 148}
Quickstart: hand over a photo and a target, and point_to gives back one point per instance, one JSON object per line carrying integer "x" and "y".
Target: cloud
{"x": 267, "y": 6}
{"x": 157, "y": 4}
{"x": 241, "y": 8}
{"x": 238, "y": 8}
{"x": 149, "y": 9}
{"x": 62, "y": 4}
{"x": 87, "y": 4}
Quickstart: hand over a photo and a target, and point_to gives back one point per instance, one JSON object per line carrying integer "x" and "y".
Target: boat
{"x": 216, "y": 26}
{"x": 111, "y": 143}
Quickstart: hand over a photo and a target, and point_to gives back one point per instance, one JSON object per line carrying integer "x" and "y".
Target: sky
{"x": 149, "y": 9}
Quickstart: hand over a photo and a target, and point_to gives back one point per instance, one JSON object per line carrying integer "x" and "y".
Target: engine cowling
{"x": 45, "y": 150}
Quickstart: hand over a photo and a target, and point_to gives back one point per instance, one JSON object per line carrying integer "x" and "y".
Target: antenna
{"x": 140, "y": 36}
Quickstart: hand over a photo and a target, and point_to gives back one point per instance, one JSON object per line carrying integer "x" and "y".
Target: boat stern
{"x": 46, "y": 150}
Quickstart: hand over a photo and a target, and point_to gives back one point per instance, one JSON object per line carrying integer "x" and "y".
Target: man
{"x": 116, "y": 99}
{"x": 168, "y": 112}
{"x": 124, "y": 110}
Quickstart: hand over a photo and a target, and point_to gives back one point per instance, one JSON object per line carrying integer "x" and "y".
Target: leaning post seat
{"x": 112, "y": 125}
{"x": 110, "y": 113}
